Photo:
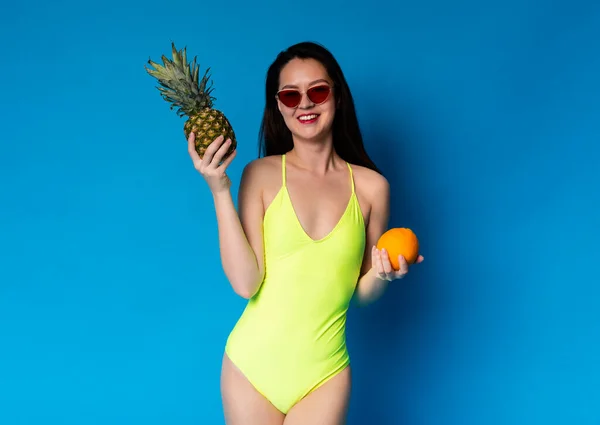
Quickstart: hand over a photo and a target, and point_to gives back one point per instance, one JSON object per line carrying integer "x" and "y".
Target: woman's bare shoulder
{"x": 262, "y": 174}
{"x": 370, "y": 182}
{"x": 373, "y": 191}
{"x": 262, "y": 168}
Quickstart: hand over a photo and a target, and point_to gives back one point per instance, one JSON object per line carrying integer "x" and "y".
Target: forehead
{"x": 302, "y": 72}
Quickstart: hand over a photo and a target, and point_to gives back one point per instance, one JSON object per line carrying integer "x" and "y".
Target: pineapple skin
{"x": 207, "y": 125}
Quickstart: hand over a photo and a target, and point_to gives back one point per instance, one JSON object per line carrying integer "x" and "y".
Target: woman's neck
{"x": 316, "y": 157}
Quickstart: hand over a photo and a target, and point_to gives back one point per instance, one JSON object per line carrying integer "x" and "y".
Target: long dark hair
{"x": 274, "y": 136}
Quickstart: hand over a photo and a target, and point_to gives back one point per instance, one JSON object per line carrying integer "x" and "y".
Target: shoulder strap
{"x": 283, "y": 170}
{"x": 351, "y": 176}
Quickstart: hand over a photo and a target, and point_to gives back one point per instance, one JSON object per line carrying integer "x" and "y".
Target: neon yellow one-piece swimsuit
{"x": 291, "y": 337}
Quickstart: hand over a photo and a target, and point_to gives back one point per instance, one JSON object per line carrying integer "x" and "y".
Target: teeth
{"x": 307, "y": 117}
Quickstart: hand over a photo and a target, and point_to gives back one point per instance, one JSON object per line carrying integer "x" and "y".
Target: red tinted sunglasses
{"x": 292, "y": 97}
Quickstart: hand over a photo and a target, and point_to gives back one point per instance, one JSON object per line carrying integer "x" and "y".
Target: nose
{"x": 305, "y": 102}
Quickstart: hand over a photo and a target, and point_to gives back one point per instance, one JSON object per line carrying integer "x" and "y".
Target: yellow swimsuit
{"x": 291, "y": 336}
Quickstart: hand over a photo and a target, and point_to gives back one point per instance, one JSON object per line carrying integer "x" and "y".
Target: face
{"x": 306, "y": 82}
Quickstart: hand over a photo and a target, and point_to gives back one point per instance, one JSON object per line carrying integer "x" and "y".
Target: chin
{"x": 310, "y": 126}
{"x": 315, "y": 135}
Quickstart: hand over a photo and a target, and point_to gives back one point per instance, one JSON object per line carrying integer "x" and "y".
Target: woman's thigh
{"x": 327, "y": 405}
{"x": 242, "y": 404}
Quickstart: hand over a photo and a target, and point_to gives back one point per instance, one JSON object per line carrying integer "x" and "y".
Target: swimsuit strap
{"x": 283, "y": 170}
{"x": 351, "y": 176}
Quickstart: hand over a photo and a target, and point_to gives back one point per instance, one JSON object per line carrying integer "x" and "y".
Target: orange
{"x": 400, "y": 241}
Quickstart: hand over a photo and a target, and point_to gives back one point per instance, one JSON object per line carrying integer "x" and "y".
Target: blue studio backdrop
{"x": 484, "y": 116}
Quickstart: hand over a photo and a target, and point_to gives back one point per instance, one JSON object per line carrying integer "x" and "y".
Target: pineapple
{"x": 180, "y": 86}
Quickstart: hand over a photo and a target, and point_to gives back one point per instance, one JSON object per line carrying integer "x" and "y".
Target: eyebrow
{"x": 321, "y": 80}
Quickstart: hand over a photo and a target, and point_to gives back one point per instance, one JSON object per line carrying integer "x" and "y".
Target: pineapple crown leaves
{"x": 179, "y": 83}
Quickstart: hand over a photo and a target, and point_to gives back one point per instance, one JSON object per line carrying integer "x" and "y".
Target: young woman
{"x": 301, "y": 246}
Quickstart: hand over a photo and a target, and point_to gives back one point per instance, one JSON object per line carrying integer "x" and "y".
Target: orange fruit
{"x": 400, "y": 241}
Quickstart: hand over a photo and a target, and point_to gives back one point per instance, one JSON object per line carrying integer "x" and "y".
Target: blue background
{"x": 485, "y": 116}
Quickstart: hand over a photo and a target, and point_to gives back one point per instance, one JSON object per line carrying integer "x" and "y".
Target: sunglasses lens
{"x": 290, "y": 98}
{"x": 318, "y": 94}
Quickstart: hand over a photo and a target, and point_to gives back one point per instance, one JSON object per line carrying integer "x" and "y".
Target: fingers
{"x": 218, "y": 157}
{"x": 228, "y": 160}
{"x": 381, "y": 262}
{"x": 212, "y": 151}
{"x": 383, "y": 267}
{"x": 376, "y": 263}
{"x": 403, "y": 266}
{"x": 192, "y": 148}
{"x": 213, "y": 156}
{"x": 387, "y": 264}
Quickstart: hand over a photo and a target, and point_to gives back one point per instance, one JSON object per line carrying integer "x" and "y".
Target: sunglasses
{"x": 292, "y": 97}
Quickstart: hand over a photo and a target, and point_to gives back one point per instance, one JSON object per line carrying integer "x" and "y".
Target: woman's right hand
{"x": 210, "y": 166}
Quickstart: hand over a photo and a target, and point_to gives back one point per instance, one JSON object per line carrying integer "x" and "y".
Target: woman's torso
{"x": 314, "y": 244}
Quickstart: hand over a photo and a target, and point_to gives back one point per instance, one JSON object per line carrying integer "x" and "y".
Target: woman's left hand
{"x": 382, "y": 266}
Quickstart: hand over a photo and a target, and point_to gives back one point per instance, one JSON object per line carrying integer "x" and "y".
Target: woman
{"x": 301, "y": 247}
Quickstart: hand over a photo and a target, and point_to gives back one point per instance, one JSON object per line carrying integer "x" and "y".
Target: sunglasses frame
{"x": 302, "y": 93}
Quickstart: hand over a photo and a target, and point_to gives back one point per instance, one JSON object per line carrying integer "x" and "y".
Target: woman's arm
{"x": 240, "y": 234}
{"x": 370, "y": 287}
{"x": 377, "y": 269}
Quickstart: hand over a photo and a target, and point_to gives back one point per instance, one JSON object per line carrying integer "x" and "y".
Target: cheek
{"x": 329, "y": 107}
{"x": 288, "y": 116}
{"x": 286, "y": 113}
{"x": 329, "y": 112}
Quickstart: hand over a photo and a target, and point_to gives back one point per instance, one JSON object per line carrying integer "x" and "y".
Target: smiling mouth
{"x": 308, "y": 119}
